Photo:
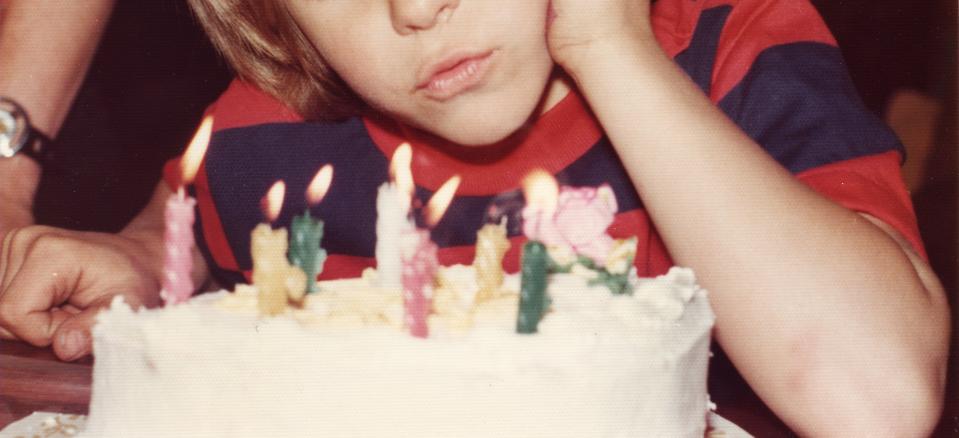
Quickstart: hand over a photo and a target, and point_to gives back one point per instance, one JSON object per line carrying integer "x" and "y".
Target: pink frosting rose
{"x": 580, "y": 221}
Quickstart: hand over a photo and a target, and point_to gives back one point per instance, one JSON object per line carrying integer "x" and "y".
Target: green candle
{"x": 305, "y": 250}
{"x": 532, "y": 298}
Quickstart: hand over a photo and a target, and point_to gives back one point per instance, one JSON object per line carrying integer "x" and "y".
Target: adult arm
{"x": 45, "y": 50}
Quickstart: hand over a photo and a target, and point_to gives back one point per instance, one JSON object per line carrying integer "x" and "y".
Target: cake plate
{"x": 54, "y": 425}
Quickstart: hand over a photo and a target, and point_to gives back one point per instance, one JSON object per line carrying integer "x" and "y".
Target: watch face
{"x": 13, "y": 128}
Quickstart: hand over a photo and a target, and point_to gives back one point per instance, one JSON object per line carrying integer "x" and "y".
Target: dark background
{"x": 154, "y": 74}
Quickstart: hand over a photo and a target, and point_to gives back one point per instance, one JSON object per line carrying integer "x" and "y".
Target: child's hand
{"x": 579, "y": 30}
{"x": 54, "y": 281}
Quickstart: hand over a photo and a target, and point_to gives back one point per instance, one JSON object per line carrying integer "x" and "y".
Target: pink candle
{"x": 419, "y": 263}
{"x": 178, "y": 217}
{"x": 178, "y": 249}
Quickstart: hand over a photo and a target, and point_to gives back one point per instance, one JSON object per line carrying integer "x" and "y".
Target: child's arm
{"x": 830, "y": 315}
{"x": 54, "y": 281}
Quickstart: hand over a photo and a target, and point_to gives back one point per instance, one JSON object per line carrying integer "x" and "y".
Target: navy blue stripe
{"x": 599, "y": 165}
{"x": 698, "y": 59}
{"x": 243, "y": 163}
{"x": 224, "y": 278}
{"x": 462, "y": 219}
{"x": 799, "y": 103}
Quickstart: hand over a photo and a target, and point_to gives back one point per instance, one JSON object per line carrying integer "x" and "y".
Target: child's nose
{"x": 410, "y": 16}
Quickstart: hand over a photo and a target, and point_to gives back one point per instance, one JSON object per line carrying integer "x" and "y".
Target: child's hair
{"x": 266, "y": 48}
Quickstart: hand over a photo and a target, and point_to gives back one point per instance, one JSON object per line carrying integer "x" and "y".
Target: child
{"x": 727, "y": 128}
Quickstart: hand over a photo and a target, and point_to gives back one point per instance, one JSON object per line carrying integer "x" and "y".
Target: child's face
{"x": 470, "y": 71}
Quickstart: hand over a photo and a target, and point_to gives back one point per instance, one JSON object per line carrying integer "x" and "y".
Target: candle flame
{"x": 441, "y": 200}
{"x": 320, "y": 185}
{"x": 400, "y": 168}
{"x": 273, "y": 201}
{"x": 193, "y": 156}
{"x": 541, "y": 191}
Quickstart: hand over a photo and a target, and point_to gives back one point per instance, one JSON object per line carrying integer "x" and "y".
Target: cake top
{"x": 580, "y": 308}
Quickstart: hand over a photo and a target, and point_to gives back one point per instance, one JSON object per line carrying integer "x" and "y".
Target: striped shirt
{"x": 770, "y": 65}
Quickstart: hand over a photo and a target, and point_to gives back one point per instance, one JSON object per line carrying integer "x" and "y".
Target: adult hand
{"x": 20, "y": 176}
{"x": 54, "y": 281}
{"x": 578, "y": 30}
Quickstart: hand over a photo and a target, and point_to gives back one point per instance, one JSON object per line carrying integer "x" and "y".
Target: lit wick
{"x": 177, "y": 283}
{"x": 541, "y": 192}
{"x": 307, "y": 232}
{"x": 393, "y": 217}
{"x": 419, "y": 261}
{"x": 276, "y": 280}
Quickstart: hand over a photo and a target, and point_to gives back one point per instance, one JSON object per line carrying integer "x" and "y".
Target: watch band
{"x": 20, "y": 135}
{"x": 37, "y": 146}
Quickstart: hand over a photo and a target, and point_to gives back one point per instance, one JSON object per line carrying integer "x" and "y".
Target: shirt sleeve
{"x": 171, "y": 173}
{"x": 240, "y": 105}
{"x": 780, "y": 77}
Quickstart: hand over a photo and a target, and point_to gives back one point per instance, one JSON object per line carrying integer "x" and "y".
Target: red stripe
{"x": 464, "y": 255}
{"x": 345, "y": 266}
{"x": 658, "y": 260}
{"x": 171, "y": 174}
{"x": 240, "y": 105}
{"x": 755, "y": 25}
{"x": 245, "y": 105}
{"x": 213, "y": 233}
{"x": 652, "y": 258}
{"x": 336, "y": 267}
{"x": 628, "y": 224}
{"x": 674, "y": 22}
{"x": 556, "y": 140}
{"x": 873, "y": 185}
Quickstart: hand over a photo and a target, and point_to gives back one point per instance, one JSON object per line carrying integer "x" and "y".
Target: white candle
{"x": 393, "y": 217}
{"x": 392, "y": 221}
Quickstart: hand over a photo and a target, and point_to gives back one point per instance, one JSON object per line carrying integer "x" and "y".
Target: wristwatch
{"x": 17, "y": 136}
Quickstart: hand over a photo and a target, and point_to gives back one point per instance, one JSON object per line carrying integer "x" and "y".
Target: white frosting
{"x": 602, "y": 365}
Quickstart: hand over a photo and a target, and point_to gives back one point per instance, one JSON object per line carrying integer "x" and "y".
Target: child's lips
{"x": 455, "y": 75}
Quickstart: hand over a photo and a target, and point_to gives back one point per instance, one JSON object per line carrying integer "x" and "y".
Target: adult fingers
{"x": 66, "y": 308}
{"x": 73, "y": 339}
{"x": 31, "y": 288}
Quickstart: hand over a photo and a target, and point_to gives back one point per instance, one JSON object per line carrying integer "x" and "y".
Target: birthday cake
{"x": 575, "y": 345}
{"x": 600, "y": 364}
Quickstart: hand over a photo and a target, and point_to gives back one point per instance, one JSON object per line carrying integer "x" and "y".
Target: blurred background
{"x": 154, "y": 74}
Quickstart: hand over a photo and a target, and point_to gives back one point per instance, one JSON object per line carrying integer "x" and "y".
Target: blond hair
{"x": 266, "y": 48}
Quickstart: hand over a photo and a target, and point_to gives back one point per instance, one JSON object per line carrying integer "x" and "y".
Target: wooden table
{"x": 32, "y": 379}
